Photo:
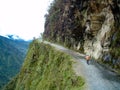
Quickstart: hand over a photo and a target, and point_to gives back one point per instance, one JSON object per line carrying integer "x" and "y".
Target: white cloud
{"x": 23, "y": 17}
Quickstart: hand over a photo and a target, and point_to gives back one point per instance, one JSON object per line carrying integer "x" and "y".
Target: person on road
{"x": 87, "y": 57}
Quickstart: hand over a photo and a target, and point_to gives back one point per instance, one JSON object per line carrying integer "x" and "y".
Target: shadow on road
{"x": 106, "y": 73}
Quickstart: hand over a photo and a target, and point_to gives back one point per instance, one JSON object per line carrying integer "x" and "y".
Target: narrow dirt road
{"x": 96, "y": 76}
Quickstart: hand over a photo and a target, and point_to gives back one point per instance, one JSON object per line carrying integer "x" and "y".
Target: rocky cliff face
{"x": 88, "y": 25}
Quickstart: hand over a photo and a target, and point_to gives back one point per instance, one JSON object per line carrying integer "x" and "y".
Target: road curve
{"x": 96, "y": 76}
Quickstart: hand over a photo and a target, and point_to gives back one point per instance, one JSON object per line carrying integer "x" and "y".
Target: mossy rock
{"x": 97, "y": 18}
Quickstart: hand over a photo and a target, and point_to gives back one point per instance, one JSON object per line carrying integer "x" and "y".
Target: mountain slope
{"x": 12, "y": 53}
{"x": 46, "y": 69}
{"x": 88, "y": 26}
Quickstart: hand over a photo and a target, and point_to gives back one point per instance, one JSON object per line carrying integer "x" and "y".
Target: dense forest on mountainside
{"x": 12, "y": 54}
{"x": 46, "y": 68}
{"x": 88, "y": 26}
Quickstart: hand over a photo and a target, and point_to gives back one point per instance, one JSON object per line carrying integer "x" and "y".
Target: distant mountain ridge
{"x": 12, "y": 54}
{"x": 14, "y": 37}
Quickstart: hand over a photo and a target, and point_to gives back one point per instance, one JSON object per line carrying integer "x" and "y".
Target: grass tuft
{"x": 46, "y": 69}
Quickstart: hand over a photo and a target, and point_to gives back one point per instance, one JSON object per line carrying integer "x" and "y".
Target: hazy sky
{"x": 24, "y": 18}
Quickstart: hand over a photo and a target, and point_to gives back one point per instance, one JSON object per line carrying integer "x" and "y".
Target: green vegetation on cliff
{"x": 46, "y": 69}
{"x": 88, "y": 26}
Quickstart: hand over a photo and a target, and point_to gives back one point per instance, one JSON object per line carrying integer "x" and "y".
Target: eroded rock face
{"x": 101, "y": 25}
{"x": 87, "y": 25}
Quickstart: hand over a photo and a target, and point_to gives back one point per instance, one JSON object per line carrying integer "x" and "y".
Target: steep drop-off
{"x": 46, "y": 69}
{"x": 12, "y": 54}
{"x": 89, "y": 26}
